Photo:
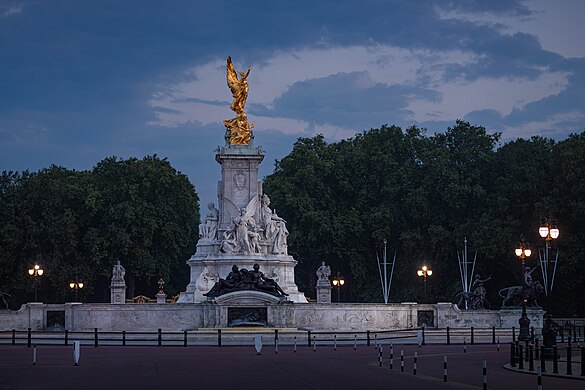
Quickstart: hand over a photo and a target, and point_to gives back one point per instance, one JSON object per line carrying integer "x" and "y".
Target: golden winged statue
{"x": 239, "y": 128}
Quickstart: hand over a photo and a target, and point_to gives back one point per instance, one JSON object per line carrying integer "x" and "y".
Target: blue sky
{"x": 81, "y": 81}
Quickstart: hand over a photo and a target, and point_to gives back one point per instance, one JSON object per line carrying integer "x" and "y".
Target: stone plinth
{"x": 323, "y": 291}
{"x": 118, "y": 293}
{"x": 161, "y": 298}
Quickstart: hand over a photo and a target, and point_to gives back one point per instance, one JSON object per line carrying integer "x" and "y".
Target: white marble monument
{"x": 118, "y": 285}
{"x": 243, "y": 230}
{"x": 323, "y": 286}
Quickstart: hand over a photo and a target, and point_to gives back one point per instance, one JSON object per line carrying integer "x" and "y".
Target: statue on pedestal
{"x": 208, "y": 228}
{"x": 242, "y": 235}
{"x": 239, "y": 128}
{"x": 274, "y": 226}
{"x": 323, "y": 273}
{"x": 118, "y": 273}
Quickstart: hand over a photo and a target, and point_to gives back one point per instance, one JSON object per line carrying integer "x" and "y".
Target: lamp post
{"x": 35, "y": 272}
{"x": 76, "y": 286}
{"x": 549, "y": 231}
{"x": 424, "y": 272}
{"x": 338, "y": 281}
{"x": 522, "y": 251}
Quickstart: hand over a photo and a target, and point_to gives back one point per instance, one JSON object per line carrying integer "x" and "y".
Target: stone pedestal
{"x": 161, "y": 298}
{"x": 239, "y": 185}
{"x": 118, "y": 293}
{"x": 323, "y": 291}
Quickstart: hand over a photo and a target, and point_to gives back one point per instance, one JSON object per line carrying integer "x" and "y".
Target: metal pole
{"x": 445, "y": 368}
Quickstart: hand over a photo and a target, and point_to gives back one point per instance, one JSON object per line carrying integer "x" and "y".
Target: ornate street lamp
{"x": 338, "y": 281}
{"x": 35, "y": 272}
{"x": 549, "y": 231}
{"x": 522, "y": 250}
{"x": 76, "y": 286}
{"x": 424, "y": 272}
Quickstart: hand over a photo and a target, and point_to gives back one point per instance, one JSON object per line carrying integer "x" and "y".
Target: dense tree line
{"x": 77, "y": 224}
{"x": 425, "y": 194}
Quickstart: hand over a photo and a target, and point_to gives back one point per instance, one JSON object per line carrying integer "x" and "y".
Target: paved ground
{"x": 241, "y": 368}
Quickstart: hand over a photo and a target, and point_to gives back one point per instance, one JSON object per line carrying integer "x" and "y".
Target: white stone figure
{"x": 208, "y": 228}
{"x": 206, "y": 280}
{"x": 118, "y": 272}
{"x": 324, "y": 272}
{"x": 274, "y": 226}
{"x": 242, "y": 235}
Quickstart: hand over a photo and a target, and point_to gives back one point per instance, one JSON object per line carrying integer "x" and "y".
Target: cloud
{"x": 558, "y": 25}
{"x": 344, "y": 90}
{"x": 10, "y": 9}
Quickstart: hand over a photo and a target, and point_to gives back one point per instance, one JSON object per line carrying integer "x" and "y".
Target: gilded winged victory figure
{"x": 239, "y": 128}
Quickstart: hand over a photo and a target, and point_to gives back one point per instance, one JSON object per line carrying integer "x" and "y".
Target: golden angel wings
{"x": 239, "y": 87}
{"x": 240, "y": 131}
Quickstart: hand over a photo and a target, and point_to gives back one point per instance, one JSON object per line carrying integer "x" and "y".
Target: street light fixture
{"x": 338, "y": 281}
{"x": 424, "y": 272}
{"x": 35, "y": 272}
{"x": 76, "y": 286}
{"x": 522, "y": 250}
{"x": 549, "y": 231}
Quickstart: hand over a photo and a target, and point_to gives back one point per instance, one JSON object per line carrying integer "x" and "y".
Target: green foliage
{"x": 76, "y": 225}
{"x": 425, "y": 194}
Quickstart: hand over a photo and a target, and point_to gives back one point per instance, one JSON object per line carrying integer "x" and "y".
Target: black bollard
{"x": 444, "y": 368}
{"x": 539, "y": 379}
{"x": 569, "y": 361}
{"x": 124, "y": 338}
{"x": 159, "y": 337}
{"x": 536, "y": 349}
{"x": 513, "y": 333}
{"x": 368, "y": 335}
{"x": 555, "y": 360}
{"x": 380, "y": 357}
{"x": 448, "y": 337}
{"x": 95, "y": 337}
{"x": 512, "y": 355}
{"x": 520, "y": 357}
{"x": 184, "y": 338}
{"x": 401, "y": 360}
{"x": 66, "y": 336}
{"x": 309, "y": 338}
{"x": 414, "y": 364}
{"x": 29, "y": 338}
{"x": 13, "y": 336}
{"x": 472, "y": 338}
{"x": 275, "y": 337}
{"x": 531, "y": 358}
{"x": 494, "y": 335}
{"x": 484, "y": 369}
{"x": 219, "y": 337}
{"x": 423, "y": 335}
{"x": 542, "y": 359}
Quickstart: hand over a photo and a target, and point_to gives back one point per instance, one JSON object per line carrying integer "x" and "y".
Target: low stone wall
{"x": 314, "y": 316}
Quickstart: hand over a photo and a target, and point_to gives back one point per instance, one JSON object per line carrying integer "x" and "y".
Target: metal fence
{"x": 244, "y": 336}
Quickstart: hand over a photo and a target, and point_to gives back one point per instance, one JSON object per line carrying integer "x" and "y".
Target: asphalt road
{"x": 242, "y": 368}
